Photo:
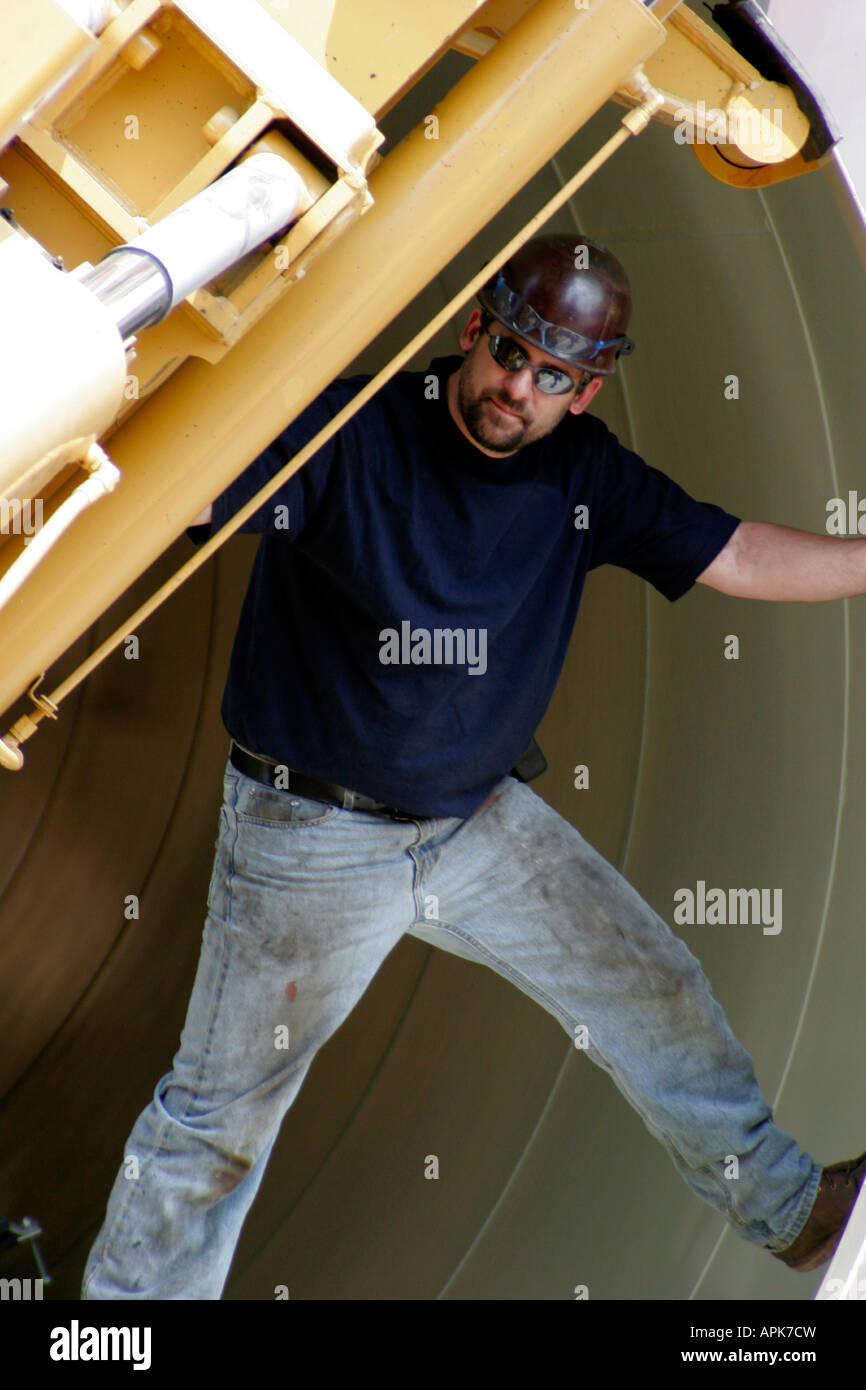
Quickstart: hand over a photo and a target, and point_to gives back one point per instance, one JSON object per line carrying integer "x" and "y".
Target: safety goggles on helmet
{"x": 512, "y": 309}
{"x": 511, "y": 356}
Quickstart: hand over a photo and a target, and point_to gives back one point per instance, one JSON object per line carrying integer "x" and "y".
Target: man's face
{"x": 499, "y": 411}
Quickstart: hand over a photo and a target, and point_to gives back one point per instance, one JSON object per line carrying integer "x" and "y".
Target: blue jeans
{"x": 313, "y": 895}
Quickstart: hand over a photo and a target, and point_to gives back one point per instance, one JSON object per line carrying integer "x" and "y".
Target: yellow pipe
{"x": 499, "y": 125}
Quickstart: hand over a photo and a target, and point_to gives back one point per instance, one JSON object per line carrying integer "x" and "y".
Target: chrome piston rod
{"x": 140, "y": 282}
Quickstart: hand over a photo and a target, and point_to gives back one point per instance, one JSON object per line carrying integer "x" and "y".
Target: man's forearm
{"x": 763, "y": 560}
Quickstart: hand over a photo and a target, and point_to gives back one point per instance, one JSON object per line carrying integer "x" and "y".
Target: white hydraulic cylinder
{"x": 62, "y": 368}
{"x": 90, "y": 14}
{"x": 221, "y": 224}
{"x": 62, "y": 358}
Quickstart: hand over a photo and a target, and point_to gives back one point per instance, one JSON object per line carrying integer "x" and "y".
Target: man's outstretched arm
{"x": 763, "y": 560}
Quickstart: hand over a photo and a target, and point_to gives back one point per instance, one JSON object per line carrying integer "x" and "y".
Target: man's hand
{"x": 203, "y": 517}
{"x": 762, "y": 560}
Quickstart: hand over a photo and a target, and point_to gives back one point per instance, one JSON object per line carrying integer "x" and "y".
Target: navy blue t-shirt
{"x": 412, "y": 599}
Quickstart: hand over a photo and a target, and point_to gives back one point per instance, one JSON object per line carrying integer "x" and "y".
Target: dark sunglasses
{"x": 511, "y": 356}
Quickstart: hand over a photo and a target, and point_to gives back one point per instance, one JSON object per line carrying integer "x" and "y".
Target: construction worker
{"x": 407, "y": 616}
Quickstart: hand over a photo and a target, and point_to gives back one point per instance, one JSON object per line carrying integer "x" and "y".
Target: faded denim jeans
{"x": 311, "y": 893}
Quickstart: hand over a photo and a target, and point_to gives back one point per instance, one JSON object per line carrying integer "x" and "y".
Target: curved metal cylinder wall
{"x": 741, "y": 773}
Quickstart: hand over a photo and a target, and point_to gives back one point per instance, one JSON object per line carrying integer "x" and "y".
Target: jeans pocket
{"x": 279, "y": 810}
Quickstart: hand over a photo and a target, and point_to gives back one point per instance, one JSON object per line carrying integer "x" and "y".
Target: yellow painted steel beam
{"x": 500, "y": 124}
{"x": 712, "y": 91}
{"x": 24, "y": 728}
{"x": 744, "y": 130}
{"x": 39, "y": 45}
{"x": 374, "y": 48}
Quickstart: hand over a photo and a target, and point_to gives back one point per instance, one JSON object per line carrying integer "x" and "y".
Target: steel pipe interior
{"x": 735, "y": 772}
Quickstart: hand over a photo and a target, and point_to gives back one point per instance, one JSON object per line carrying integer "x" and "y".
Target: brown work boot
{"x": 837, "y": 1193}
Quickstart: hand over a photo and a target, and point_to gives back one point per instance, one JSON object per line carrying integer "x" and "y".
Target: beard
{"x": 502, "y": 434}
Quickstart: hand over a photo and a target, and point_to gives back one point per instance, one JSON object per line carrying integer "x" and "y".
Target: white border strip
{"x": 846, "y": 1275}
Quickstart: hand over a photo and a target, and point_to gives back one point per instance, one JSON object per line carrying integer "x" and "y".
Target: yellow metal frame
{"x": 10, "y": 756}
{"x": 215, "y": 410}
{"x": 192, "y": 437}
{"x": 696, "y": 71}
{"x": 41, "y": 44}
{"x": 210, "y": 320}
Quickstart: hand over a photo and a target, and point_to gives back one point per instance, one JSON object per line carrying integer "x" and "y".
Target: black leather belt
{"x": 281, "y": 778}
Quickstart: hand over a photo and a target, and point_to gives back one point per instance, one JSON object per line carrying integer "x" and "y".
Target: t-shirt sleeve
{"x": 647, "y": 523}
{"x": 288, "y": 510}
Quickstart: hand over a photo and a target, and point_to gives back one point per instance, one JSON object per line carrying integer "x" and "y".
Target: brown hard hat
{"x": 567, "y": 295}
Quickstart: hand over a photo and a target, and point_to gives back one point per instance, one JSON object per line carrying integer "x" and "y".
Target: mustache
{"x": 509, "y": 405}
